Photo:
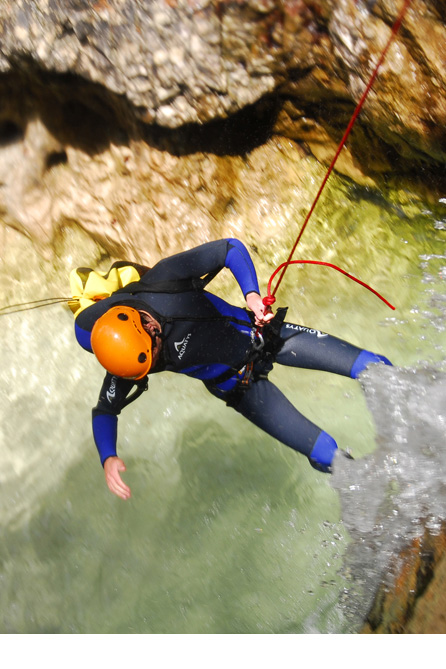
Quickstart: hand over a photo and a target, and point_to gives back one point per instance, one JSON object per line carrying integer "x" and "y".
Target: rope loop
{"x": 270, "y": 299}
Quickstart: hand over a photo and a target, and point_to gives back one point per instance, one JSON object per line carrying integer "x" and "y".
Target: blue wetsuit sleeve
{"x": 323, "y": 452}
{"x": 83, "y": 337}
{"x": 206, "y": 259}
{"x": 112, "y": 399}
{"x": 105, "y": 433}
{"x": 239, "y": 262}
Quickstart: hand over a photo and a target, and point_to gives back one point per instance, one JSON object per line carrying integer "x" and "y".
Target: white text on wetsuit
{"x": 110, "y": 394}
{"x": 180, "y": 346}
{"x": 302, "y": 328}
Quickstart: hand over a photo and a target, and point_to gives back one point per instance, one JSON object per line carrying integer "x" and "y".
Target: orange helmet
{"x": 121, "y": 344}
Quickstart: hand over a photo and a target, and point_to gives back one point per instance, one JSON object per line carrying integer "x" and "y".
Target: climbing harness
{"x": 266, "y": 342}
{"x": 270, "y": 297}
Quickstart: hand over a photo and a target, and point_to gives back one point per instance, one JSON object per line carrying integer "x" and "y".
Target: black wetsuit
{"x": 209, "y": 339}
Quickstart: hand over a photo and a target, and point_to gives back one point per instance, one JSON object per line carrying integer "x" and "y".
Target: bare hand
{"x": 262, "y": 313}
{"x": 112, "y": 467}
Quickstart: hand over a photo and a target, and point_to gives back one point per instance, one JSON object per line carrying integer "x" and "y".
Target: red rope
{"x": 395, "y": 28}
{"x": 267, "y": 300}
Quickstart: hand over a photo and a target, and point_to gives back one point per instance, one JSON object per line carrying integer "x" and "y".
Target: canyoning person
{"x": 167, "y": 321}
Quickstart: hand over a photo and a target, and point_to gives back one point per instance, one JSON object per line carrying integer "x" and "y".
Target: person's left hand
{"x": 262, "y": 313}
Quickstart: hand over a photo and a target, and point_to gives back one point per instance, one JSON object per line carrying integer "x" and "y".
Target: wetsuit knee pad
{"x": 364, "y": 359}
{"x": 324, "y": 449}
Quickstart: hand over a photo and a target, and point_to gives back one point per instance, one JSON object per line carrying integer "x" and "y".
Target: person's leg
{"x": 265, "y": 406}
{"x": 312, "y": 349}
{"x": 268, "y": 408}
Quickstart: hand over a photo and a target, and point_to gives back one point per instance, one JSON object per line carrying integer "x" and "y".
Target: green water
{"x": 227, "y": 531}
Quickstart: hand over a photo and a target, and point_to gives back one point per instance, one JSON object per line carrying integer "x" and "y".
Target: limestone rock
{"x": 414, "y": 602}
{"x": 180, "y": 62}
{"x": 131, "y": 119}
{"x": 401, "y": 126}
{"x": 176, "y": 62}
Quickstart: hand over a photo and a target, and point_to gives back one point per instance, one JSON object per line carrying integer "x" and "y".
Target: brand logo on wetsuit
{"x": 180, "y": 346}
{"x": 302, "y": 328}
{"x": 111, "y": 392}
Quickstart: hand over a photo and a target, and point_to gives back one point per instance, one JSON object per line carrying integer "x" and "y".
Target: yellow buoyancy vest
{"x": 88, "y": 286}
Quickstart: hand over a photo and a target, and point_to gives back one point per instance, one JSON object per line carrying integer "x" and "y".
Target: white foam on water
{"x": 390, "y": 496}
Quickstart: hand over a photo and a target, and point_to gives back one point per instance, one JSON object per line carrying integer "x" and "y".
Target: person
{"x": 168, "y": 321}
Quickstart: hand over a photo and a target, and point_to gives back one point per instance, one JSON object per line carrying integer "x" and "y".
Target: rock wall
{"x": 191, "y": 61}
{"x": 129, "y": 120}
{"x": 413, "y": 600}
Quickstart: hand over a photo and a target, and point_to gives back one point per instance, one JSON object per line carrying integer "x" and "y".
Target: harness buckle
{"x": 248, "y": 369}
{"x": 257, "y": 340}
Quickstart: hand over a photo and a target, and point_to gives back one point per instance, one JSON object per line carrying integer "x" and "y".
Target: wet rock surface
{"x": 163, "y": 104}
{"x": 178, "y": 62}
{"x": 414, "y": 603}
